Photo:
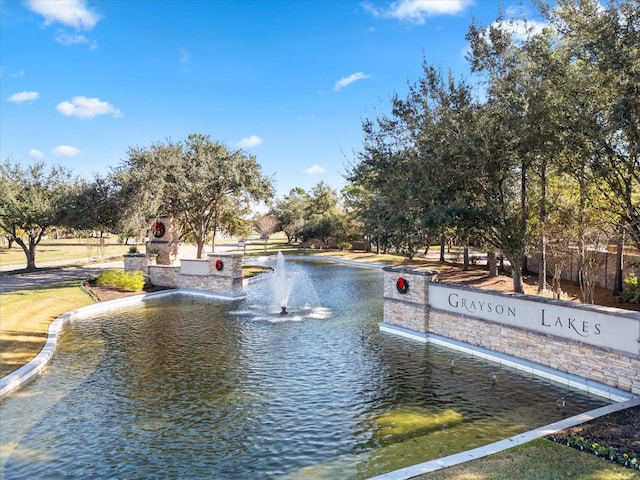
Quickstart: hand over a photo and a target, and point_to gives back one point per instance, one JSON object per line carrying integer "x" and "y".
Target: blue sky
{"x": 289, "y": 81}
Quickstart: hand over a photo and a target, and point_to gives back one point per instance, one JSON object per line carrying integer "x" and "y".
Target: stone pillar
{"x": 225, "y": 270}
{"x": 164, "y": 240}
{"x": 138, "y": 261}
{"x": 406, "y": 297}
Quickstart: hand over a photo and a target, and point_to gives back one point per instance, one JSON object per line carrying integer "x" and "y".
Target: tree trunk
{"x": 29, "y": 252}
{"x": 557, "y": 281}
{"x": 492, "y": 264}
{"x": 465, "y": 256}
{"x": 523, "y": 205}
{"x": 514, "y": 259}
{"x": 516, "y": 274}
{"x": 589, "y": 274}
{"x": 542, "y": 264}
{"x": 200, "y": 241}
{"x": 581, "y": 259}
{"x": 617, "y": 283}
{"x": 31, "y": 263}
{"x": 442, "y": 245}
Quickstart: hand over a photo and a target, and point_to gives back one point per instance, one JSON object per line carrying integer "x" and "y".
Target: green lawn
{"x": 72, "y": 249}
{"x": 26, "y": 315}
{"x": 537, "y": 460}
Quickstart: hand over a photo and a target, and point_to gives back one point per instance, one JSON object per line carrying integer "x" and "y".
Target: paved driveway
{"x": 11, "y": 283}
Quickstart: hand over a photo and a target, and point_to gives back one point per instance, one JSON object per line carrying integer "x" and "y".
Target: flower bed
{"x": 621, "y": 456}
{"x": 614, "y": 437}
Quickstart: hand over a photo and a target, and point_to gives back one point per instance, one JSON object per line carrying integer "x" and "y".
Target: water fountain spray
{"x": 281, "y": 284}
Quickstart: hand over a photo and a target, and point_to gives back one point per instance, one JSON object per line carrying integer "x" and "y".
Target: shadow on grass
{"x": 17, "y": 349}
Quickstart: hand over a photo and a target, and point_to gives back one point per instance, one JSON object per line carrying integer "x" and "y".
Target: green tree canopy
{"x": 94, "y": 205}
{"x": 32, "y": 200}
{"x": 203, "y": 183}
{"x": 290, "y": 212}
{"x": 558, "y": 109}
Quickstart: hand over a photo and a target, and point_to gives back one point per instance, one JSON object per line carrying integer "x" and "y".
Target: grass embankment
{"x": 25, "y": 316}
{"x": 71, "y": 249}
{"x": 537, "y": 460}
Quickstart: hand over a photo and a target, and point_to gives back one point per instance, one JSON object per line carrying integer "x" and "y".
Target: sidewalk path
{"x": 23, "y": 281}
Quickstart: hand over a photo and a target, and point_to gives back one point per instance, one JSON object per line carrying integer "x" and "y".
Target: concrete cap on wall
{"x": 425, "y": 272}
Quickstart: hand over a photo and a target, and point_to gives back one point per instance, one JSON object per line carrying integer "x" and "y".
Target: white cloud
{"x": 520, "y": 29}
{"x": 64, "y": 38}
{"x": 416, "y": 11}
{"x": 72, "y": 13}
{"x": 314, "y": 169}
{"x": 354, "y": 77}
{"x": 248, "y": 142}
{"x": 65, "y": 151}
{"x": 33, "y": 153}
{"x": 83, "y": 107}
{"x": 23, "y": 97}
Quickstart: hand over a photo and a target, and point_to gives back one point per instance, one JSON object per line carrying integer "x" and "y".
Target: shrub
{"x": 133, "y": 249}
{"x": 631, "y": 294}
{"x": 345, "y": 246}
{"x": 130, "y": 281}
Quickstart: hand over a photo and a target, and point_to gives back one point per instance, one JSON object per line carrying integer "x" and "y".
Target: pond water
{"x": 195, "y": 388}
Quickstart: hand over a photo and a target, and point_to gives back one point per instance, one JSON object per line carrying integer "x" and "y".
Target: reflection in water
{"x": 188, "y": 388}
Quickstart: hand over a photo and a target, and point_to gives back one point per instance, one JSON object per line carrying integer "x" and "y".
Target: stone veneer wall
{"x": 408, "y": 310}
{"x": 164, "y": 275}
{"x": 227, "y": 281}
{"x": 607, "y": 367}
{"x": 411, "y": 311}
{"x": 138, "y": 261}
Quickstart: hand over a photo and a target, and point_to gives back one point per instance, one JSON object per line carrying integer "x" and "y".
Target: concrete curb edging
{"x": 18, "y": 377}
{"x": 476, "y": 453}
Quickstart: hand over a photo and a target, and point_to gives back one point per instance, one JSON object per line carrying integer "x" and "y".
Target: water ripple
{"x": 187, "y": 388}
